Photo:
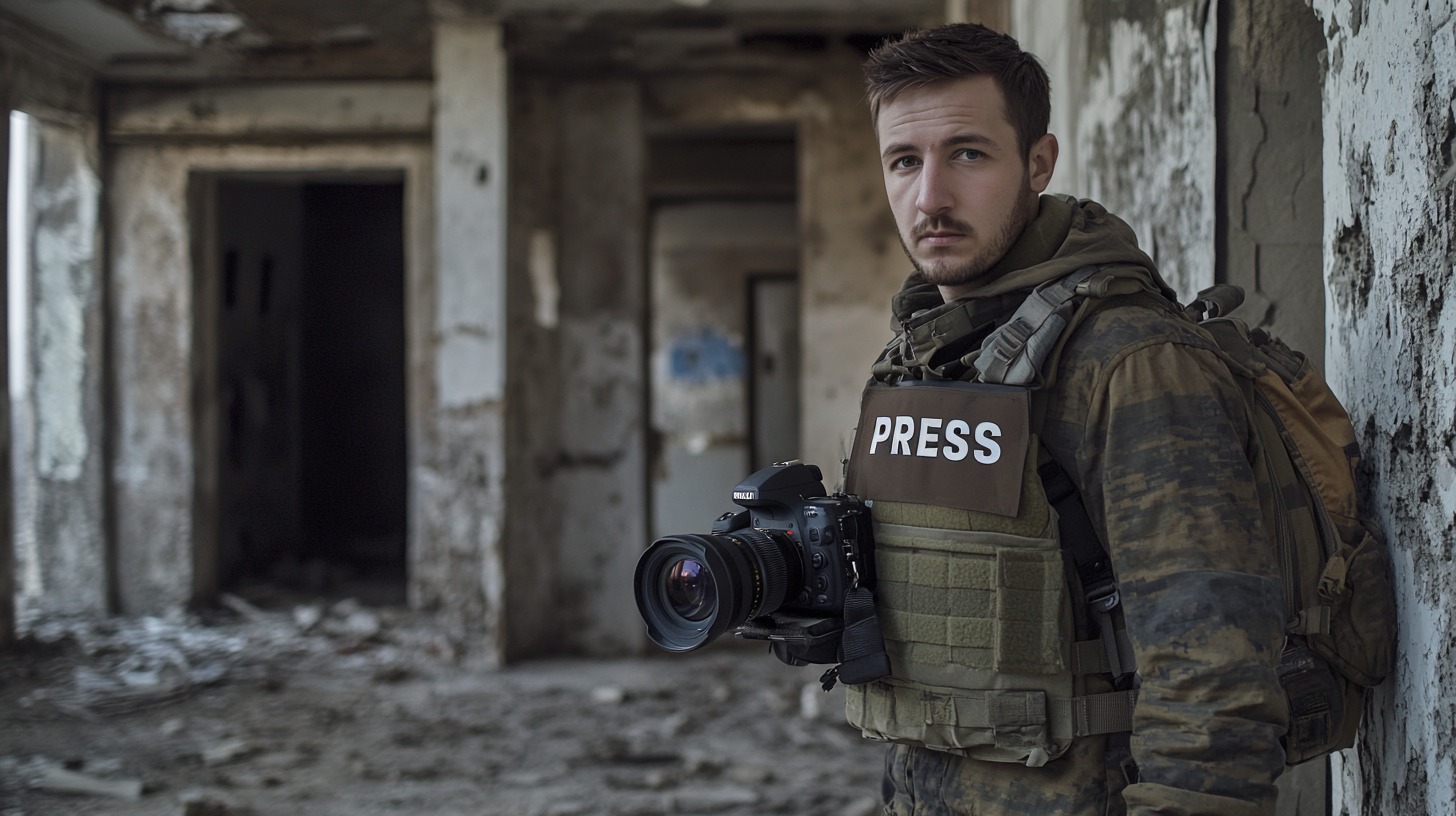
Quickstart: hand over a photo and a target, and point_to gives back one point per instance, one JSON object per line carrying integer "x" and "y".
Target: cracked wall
{"x": 1390, "y": 261}
{"x": 1269, "y": 167}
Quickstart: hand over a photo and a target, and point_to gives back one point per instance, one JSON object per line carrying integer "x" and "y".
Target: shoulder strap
{"x": 1023, "y": 350}
{"x": 1014, "y": 353}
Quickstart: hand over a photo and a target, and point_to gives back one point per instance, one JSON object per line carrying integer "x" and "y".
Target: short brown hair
{"x": 957, "y": 51}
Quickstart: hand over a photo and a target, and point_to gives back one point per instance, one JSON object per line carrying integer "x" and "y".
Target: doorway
{"x": 300, "y": 339}
{"x": 723, "y": 261}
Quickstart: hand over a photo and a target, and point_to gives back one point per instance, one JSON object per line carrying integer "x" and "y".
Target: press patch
{"x": 956, "y": 445}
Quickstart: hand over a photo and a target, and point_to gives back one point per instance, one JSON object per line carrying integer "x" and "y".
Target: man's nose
{"x": 933, "y": 194}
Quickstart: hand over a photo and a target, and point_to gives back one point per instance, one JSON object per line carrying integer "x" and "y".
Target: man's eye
{"x": 904, "y": 162}
{"x": 969, "y": 153}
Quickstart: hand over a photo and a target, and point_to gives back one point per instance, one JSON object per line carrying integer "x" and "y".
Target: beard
{"x": 952, "y": 272}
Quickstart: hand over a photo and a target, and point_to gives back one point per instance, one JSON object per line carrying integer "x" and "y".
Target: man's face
{"x": 958, "y": 184}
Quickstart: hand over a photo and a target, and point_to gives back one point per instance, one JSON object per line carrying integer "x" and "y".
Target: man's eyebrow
{"x": 896, "y": 149}
{"x": 958, "y": 140}
{"x": 971, "y": 139}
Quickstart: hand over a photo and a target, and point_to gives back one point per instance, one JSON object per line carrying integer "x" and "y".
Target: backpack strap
{"x": 1023, "y": 350}
{"x": 1015, "y": 352}
{"x": 1093, "y": 565}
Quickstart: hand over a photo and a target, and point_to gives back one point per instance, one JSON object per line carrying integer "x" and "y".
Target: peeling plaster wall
{"x": 59, "y": 467}
{"x": 1141, "y": 123}
{"x": 151, "y": 312}
{"x": 61, "y": 464}
{"x": 456, "y": 400}
{"x": 1390, "y": 259}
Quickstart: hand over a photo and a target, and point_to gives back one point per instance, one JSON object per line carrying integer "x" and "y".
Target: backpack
{"x": 1338, "y": 593}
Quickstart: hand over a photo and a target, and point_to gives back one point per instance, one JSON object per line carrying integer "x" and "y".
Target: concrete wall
{"x": 703, "y": 254}
{"x": 852, "y": 263}
{"x": 1133, "y": 107}
{"x": 158, "y": 490}
{"x": 59, "y": 433}
{"x": 1390, "y": 266}
{"x": 576, "y": 506}
{"x": 458, "y": 341}
{"x": 61, "y": 518}
{"x": 1269, "y": 167}
{"x": 850, "y": 260}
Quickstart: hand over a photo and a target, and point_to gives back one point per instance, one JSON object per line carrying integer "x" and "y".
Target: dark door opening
{"x": 310, "y": 452}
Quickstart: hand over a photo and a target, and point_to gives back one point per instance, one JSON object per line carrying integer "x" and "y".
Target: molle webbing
{"x": 971, "y": 604}
{"x": 984, "y": 606}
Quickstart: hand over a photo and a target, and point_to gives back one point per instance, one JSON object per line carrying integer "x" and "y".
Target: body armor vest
{"x": 973, "y": 582}
{"x": 972, "y": 590}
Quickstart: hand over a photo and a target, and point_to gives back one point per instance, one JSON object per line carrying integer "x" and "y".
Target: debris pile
{"x": 340, "y": 708}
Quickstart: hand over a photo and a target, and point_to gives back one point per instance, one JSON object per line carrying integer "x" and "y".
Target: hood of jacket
{"x": 1066, "y": 235}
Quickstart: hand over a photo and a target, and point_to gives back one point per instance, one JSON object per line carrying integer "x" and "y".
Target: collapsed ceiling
{"x": 190, "y": 40}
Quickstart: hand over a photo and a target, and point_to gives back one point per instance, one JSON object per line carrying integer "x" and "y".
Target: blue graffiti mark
{"x": 705, "y": 356}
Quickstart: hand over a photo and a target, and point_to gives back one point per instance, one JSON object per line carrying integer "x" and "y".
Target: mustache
{"x": 939, "y": 224}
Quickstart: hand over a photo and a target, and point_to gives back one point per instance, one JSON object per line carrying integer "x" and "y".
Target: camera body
{"x": 779, "y": 569}
{"x": 832, "y": 534}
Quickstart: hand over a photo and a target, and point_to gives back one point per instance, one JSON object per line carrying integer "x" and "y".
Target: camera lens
{"x": 692, "y": 588}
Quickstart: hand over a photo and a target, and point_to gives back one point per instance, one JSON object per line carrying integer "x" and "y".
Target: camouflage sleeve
{"x": 1163, "y": 462}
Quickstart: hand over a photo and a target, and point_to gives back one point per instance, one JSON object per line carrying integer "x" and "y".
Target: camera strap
{"x": 863, "y": 646}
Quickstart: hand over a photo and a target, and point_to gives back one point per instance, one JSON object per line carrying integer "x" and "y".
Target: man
{"x": 1137, "y": 408}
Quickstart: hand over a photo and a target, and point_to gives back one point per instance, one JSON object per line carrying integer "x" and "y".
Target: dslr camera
{"x": 794, "y": 566}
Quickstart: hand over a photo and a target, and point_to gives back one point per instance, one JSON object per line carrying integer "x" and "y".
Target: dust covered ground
{"x": 342, "y": 709}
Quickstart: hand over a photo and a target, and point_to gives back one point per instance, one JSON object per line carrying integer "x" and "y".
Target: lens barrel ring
{"x": 771, "y": 579}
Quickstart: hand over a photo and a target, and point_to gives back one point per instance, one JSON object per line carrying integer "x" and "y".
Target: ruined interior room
{"x": 356, "y": 349}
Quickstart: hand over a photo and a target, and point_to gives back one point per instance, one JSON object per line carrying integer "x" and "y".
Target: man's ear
{"x": 1041, "y": 163}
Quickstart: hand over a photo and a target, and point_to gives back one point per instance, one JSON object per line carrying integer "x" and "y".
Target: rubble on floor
{"x": 340, "y": 708}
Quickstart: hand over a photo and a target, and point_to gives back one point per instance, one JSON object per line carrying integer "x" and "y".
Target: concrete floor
{"x": 346, "y": 709}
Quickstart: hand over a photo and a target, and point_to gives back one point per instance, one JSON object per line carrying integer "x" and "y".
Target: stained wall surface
{"x": 1133, "y": 107}
{"x": 1390, "y": 268}
{"x": 58, "y": 409}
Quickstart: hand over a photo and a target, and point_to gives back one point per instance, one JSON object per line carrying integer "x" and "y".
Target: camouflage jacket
{"x": 1144, "y": 416}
